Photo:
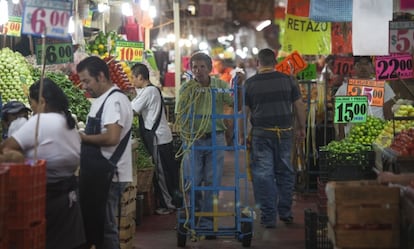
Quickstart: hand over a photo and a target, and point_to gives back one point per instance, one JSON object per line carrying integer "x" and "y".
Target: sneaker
{"x": 163, "y": 211}
{"x": 287, "y": 220}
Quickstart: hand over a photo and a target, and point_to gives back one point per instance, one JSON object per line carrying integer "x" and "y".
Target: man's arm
{"x": 111, "y": 137}
{"x": 300, "y": 117}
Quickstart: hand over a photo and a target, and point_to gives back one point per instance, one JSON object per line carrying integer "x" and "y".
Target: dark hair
{"x": 201, "y": 56}
{"x": 140, "y": 69}
{"x": 267, "y": 57}
{"x": 358, "y": 59}
{"x": 94, "y": 65}
{"x": 55, "y": 98}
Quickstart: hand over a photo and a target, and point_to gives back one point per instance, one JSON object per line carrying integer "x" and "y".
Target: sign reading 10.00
{"x": 351, "y": 109}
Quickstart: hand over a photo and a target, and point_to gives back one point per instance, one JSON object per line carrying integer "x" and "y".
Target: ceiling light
{"x": 126, "y": 9}
{"x": 263, "y": 25}
{"x": 191, "y": 8}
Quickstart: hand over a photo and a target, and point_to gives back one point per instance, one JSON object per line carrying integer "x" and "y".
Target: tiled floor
{"x": 158, "y": 231}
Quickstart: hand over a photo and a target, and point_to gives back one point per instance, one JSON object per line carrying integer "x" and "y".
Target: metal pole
{"x": 177, "y": 54}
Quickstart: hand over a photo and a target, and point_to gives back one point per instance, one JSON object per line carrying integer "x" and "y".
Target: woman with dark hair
{"x": 59, "y": 144}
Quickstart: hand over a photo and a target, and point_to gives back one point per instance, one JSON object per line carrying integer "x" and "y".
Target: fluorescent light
{"x": 152, "y": 11}
{"x": 4, "y": 13}
{"x": 126, "y": 9}
{"x": 263, "y": 25}
{"x": 71, "y": 25}
{"x": 145, "y": 4}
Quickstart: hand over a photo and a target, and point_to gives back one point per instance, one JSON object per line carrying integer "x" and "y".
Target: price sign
{"x": 351, "y": 109}
{"x": 394, "y": 67}
{"x": 292, "y": 64}
{"x": 343, "y": 65}
{"x": 47, "y": 17}
{"x": 129, "y": 51}
{"x": 57, "y": 52}
{"x": 13, "y": 27}
{"x": 309, "y": 73}
{"x": 401, "y": 36}
{"x": 373, "y": 89}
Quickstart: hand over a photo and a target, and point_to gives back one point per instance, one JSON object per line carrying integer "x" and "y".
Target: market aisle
{"x": 157, "y": 231}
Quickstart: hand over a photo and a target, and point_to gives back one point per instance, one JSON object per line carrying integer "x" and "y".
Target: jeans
{"x": 201, "y": 167}
{"x": 273, "y": 176}
{"x": 111, "y": 233}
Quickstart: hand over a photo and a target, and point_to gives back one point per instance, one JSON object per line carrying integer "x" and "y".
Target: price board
{"x": 13, "y": 27}
{"x": 373, "y": 89}
{"x": 351, "y": 109}
{"x": 309, "y": 73}
{"x": 401, "y": 36}
{"x": 343, "y": 65}
{"x": 56, "y": 51}
{"x": 292, "y": 64}
{"x": 394, "y": 67}
{"x": 50, "y": 18}
{"x": 129, "y": 51}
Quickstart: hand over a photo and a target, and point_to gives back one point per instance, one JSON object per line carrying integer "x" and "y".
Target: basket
{"x": 316, "y": 231}
{"x": 346, "y": 166}
{"x": 27, "y": 194}
{"x": 144, "y": 179}
{"x": 4, "y": 183}
{"x": 33, "y": 237}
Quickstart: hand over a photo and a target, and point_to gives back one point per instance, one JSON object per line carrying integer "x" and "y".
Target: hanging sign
{"x": 292, "y": 64}
{"x": 13, "y": 27}
{"x": 373, "y": 89}
{"x": 306, "y": 36}
{"x": 401, "y": 36}
{"x": 57, "y": 51}
{"x": 129, "y": 51}
{"x": 341, "y": 37}
{"x": 394, "y": 67}
{"x": 343, "y": 66}
{"x": 351, "y": 109}
{"x": 309, "y": 73}
{"x": 50, "y": 18}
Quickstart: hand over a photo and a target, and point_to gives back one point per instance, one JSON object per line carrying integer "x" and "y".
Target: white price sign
{"x": 47, "y": 17}
{"x": 401, "y": 37}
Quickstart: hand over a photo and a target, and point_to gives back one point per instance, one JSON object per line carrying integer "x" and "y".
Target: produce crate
{"x": 27, "y": 194}
{"x": 316, "y": 230}
{"x": 363, "y": 214}
{"x": 346, "y": 166}
{"x": 4, "y": 202}
{"x": 33, "y": 237}
{"x": 144, "y": 179}
{"x": 397, "y": 164}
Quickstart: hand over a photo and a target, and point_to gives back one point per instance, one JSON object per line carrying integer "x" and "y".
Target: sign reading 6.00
{"x": 129, "y": 51}
{"x": 351, "y": 109}
{"x": 56, "y": 51}
{"x": 50, "y": 18}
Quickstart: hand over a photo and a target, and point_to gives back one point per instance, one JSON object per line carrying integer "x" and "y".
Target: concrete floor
{"x": 158, "y": 231}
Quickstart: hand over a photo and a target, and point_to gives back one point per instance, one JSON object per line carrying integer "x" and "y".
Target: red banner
{"x": 298, "y": 7}
{"x": 341, "y": 37}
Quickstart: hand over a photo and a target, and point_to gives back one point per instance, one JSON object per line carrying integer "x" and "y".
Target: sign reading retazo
{"x": 304, "y": 25}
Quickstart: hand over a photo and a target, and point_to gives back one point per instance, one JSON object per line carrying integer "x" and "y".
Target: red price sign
{"x": 129, "y": 51}
{"x": 373, "y": 89}
{"x": 292, "y": 64}
{"x": 394, "y": 67}
{"x": 343, "y": 65}
{"x": 13, "y": 27}
{"x": 47, "y": 17}
{"x": 401, "y": 36}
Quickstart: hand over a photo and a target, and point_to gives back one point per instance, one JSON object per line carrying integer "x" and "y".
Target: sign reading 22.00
{"x": 394, "y": 67}
{"x": 49, "y": 18}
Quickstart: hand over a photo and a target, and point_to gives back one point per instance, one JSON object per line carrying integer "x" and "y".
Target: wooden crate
{"x": 363, "y": 214}
{"x": 130, "y": 193}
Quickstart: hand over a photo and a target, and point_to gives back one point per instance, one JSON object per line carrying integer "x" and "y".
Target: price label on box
{"x": 394, "y": 67}
{"x": 401, "y": 36}
{"x": 351, "y": 109}
{"x": 50, "y": 18}
{"x": 56, "y": 51}
{"x": 13, "y": 27}
{"x": 129, "y": 51}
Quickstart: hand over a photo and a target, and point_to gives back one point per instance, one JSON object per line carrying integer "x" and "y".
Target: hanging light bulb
{"x": 4, "y": 12}
{"x": 15, "y": 1}
{"x": 145, "y": 4}
{"x": 152, "y": 11}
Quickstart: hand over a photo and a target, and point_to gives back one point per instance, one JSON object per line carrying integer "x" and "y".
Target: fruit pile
{"x": 117, "y": 74}
{"x": 15, "y": 76}
{"x": 366, "y": 133}
{"x": 103, "y": 44}
{"x": 403, "y": 143}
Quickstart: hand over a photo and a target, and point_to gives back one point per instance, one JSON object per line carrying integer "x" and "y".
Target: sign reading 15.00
{"x": 129, "y": 51}
{"x": 50, "y": 18}
{"x": 351, "y": 109}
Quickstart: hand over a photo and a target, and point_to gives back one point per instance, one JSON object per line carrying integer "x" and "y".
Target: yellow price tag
{"x": 13, "y": 27}
{"x": 129, "y": 51}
